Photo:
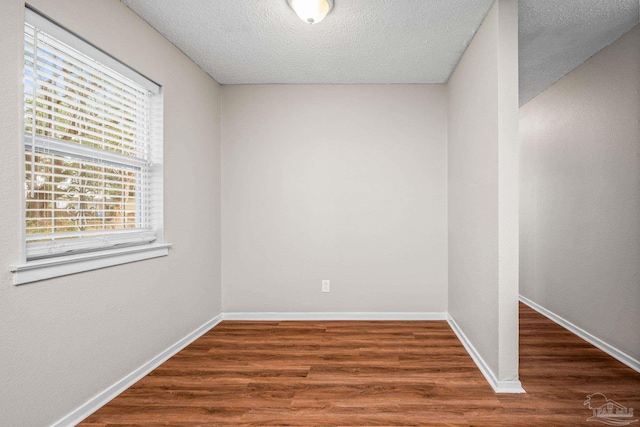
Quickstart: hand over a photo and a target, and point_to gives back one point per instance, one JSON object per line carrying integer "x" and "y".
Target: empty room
{"x": 320, "y": 213}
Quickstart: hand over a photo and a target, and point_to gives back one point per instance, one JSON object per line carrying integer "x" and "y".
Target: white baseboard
{"x": 102, "y": 398}
{"x": 498, "y": 386}
{"x": 591, "y": 339}
{"x": 335, "y": 316}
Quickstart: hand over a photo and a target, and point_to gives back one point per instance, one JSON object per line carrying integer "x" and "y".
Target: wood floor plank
{"x": 374, "y": 373}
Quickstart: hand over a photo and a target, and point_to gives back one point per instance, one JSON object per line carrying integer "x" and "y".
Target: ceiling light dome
{"x": 311, "y": 11}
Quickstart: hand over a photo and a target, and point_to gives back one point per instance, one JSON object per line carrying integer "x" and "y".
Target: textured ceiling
{"x": 360, "y": 41}
{"x": 379, "y": 41}
{"x": 558, "y": 35}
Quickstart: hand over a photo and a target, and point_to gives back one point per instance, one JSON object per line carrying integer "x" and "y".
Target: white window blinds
{"x": 89, "y": 160}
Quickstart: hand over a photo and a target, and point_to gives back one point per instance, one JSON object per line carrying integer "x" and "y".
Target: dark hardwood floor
{"x": 368, "y": 373}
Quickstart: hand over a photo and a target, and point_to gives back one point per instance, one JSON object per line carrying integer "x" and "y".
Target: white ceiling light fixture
{"x": 311, "y": 11}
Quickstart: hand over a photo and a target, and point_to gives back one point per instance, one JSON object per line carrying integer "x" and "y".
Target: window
{"x": 93, "y": 157}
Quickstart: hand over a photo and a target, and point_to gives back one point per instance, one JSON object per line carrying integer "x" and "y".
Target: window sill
{"x": 34, "y": 271}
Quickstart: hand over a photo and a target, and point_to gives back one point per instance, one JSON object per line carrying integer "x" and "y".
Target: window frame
{"x": 30, "y": 270}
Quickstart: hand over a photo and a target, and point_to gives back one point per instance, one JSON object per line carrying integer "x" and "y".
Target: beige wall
{"x": 580, "y": 235}
{"x": 346, "y": 183}
{"x": 483, "y": 191}
{"x": 66, "y": 339}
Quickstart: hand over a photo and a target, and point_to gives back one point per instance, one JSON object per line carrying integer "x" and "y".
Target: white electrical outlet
{"x": 326, "y": 286}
